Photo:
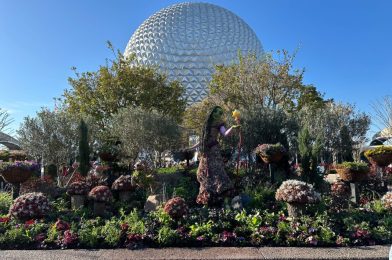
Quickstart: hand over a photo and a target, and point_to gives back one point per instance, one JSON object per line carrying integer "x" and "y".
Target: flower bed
{"x": 30, "y": 205}
{"x": 294, "y": 191}
{"x": 381, "y": 155}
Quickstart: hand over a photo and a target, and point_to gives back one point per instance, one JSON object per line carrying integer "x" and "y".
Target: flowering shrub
{"x": 297, "y": 192}
{"x": 101, "y": 194}
{"x": 340, "y": 188}
{"x": 266, "y": 150}
{"x": 26, "y": 165}
{"x": 62, "y": 225}
{"x": 78, "y": 188}
{"x": 386, "y": 200}
{"x": 123, "y": 183}
{"x": 30, "y": 205}
{"x": 176, "y": 207}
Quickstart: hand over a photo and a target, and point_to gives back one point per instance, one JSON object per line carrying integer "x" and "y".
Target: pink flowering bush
{"x": 386, "y": 200}
{"x": 123, "y": 183}
{"x": 30, "y": 205}
{"x": 78, "y": 188}
{"x": 101, "y": 194}
{"x": 340, "y": 188}
{"x": 176, "y": 207}
{"x": 294, "y": 191}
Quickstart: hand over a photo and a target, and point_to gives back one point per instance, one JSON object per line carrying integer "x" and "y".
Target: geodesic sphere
{"x": 186, "y": 40}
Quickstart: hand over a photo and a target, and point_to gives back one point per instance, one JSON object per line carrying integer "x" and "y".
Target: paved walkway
{"x": 286, "y": 253}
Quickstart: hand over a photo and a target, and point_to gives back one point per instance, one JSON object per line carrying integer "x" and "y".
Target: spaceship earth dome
{"x": 186, "y": 40}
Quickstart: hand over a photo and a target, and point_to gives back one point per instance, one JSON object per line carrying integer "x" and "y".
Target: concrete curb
{"x": 284, "y": 253}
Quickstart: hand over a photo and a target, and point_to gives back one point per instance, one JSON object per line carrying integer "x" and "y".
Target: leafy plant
{"x": 111, "y": 232}
{"x": 5, "y": 202}
{"x": 90, "y": 233}
{"x": 167, "y": 236}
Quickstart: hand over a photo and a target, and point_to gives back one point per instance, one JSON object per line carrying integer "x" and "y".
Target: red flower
{"x": 4, "y": 220}
{"x": 61, "y": 225}
{"x": 30, "y": 222}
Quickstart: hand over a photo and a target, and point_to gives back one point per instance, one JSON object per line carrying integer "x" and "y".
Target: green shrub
{"x": 167, "y": 236}
{"x": 111, "y": 232}
{"x": 5, "y": 202}
{"x": 90, "y": 233}
{"x": 4, "y": 155}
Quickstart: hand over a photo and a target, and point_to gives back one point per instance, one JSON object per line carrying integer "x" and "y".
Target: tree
{"x": 50, "y": 135}
{"x": 5, "y": 120}
{"x": 382, "y": 113}
{"x": 148, "y": 133}
{"x": 123, "y": 83}
{"x": 309, "y": 150}
{"x": 84, "y": 150}
{"x": 342, "y": 127}
{"x": 253, "y": 84}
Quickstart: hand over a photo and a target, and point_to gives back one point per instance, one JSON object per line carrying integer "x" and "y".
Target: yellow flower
{"x": 236, "y": 114}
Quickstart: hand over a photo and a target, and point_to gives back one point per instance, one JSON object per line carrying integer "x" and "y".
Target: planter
{"x": 350, "y": 175}
{"x": 16, "y": 175}
{"x": 99, "y": 208}
{"x": 295, "y": 209}
{"x": 77, "y": 201}
{"x": 381, "y": 160}
{"x": 274, "y": 158}
{"x": 125, "y": 195}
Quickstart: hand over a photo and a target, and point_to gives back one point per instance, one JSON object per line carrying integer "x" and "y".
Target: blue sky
{"x": 345, "y": 46}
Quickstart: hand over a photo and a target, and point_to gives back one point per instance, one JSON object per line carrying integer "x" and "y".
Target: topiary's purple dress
{"x": 214, "y": 182}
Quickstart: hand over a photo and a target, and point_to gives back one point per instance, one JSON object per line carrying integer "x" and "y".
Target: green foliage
{"x": 116, "y": 85}
{"x": 15, "y": 238}
{"x": 84, "y": 150}
{"x": 111, "y": 232}
{"x": 202, "y": 229}
{"x": 4, "y": 155}
{"x": 356, "y": 166}
{"x": 135, "y": 222}
{"x": 381, "y": 149}
{"x": 150, "y": 132}
{"x": 90, "y": 233}
{"x": 262, "y": 197}
{"x": 309, "y": 150}
{"x": 5, "y": 202}
{"x": 167, "y": 236}
{"x": 162, "y": 217}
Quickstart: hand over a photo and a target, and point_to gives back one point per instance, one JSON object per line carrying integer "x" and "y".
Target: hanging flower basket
{"x": 17, "y": 172}
{"x": 353, "y": 172}
{"x": 272, "y": 158}
{"x": 380, "y": 156}
{"x": 381, "y": 160}
{"x": 270, "y": 153}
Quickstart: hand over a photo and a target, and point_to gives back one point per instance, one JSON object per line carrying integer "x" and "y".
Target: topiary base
{"x": 99, "y": 208}
{"x": 295, "y": 210}
{"x": 124, "y": 196}
{"x": 77, "y": 201}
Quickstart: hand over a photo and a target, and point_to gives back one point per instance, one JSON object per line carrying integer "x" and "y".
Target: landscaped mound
{"x": 387, "y": 200}
{"x": 78, "y": 188}
{"x": 30, "y": 205}
{"x": 293, "y": 191}
{"x": 176, "y": 208}
{"x": 101, "y": 194}
{"x": 123, "y": 183}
